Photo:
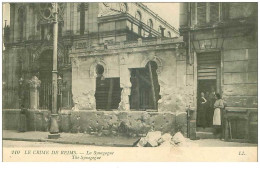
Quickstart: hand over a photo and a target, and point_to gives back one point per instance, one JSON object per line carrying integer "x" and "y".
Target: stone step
{"x": 206, "y": 129}
{"x": 206, "y": 135}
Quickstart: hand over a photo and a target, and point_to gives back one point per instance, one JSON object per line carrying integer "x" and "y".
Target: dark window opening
{"x": 82, "y": 18}
{"x": 169, "y": 34}
{"x": 145, "y": 88}
{"x": 139, "y": 31}
{"x": 21, "y": 21}
{"x": 108, "y": 91}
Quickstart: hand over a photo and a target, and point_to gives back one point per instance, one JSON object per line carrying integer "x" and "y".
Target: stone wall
{"x": 171, "y": 72}
{"x": 240, "y": 71}
{"x": 10, "y": 119}
{"x": 131, "y": 124}
{"x": 126, "y": 123}
{"x": 36, "y": 120}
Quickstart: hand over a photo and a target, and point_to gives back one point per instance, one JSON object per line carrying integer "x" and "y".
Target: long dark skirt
{"x": 23, "y": 123}
{"x": 202, "y": 116}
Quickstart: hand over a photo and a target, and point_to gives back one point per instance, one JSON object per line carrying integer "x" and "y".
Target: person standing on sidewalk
{"x": 23, "y": 120}
{"x": 210, "y": 111}
{"x": 217, "y": 117}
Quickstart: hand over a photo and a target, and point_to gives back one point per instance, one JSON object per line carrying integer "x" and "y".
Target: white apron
{"x": 217, "y": 117}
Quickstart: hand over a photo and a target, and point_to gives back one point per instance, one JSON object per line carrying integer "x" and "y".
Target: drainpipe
{"x": 189, "y": 34}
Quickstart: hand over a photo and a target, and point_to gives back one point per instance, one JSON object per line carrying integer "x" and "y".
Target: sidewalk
{"x": 113, "y": 141}
{"x": 69, "y": 138}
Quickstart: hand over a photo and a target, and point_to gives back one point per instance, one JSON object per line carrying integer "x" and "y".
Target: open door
{"x": 209, "y": 83}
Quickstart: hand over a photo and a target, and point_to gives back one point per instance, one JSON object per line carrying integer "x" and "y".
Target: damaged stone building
{"x": 221, "y": 39}
{"x": 123, "y": 69}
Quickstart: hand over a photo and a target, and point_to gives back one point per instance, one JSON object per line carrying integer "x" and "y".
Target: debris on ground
{"x": 156, "y": 139}
{"x": 178, "y": 138}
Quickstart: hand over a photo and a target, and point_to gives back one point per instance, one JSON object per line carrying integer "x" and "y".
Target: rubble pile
{"x": 156, "y": 139}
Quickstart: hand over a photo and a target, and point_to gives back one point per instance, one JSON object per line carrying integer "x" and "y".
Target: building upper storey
{"x": 102, "y": 22}
{"x": 211, "y": 14}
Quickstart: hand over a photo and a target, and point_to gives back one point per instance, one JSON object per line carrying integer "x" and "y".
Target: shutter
{"x": 207, "y": 65}
{"x": 214, "y": 11}
{"x": 201, "y": 12}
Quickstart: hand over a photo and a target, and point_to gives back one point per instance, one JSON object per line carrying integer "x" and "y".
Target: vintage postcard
{"x": 130, "y": 81}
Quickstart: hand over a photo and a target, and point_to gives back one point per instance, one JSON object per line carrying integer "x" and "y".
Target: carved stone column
{"x": 124, "y": 103}
{"x": 34, "y": 92}
{"x": 125, "y": 83}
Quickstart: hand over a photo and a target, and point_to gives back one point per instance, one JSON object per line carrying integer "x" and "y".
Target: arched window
{"x": 138, "y": 15}
{"x": 21, "y": 21}
{"x": 150, "y": 23}
{"x": 82, "y": 18}
{"x": 99, "y": 70}
{"x": 145, "y": 89}
{"x": 169, "y": 34}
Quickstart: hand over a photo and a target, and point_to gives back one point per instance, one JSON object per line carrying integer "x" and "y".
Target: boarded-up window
{"x": 201, "y": 12}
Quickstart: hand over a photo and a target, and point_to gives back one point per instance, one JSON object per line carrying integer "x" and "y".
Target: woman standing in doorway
{"x": 218, "y": 106}
{"x": 202, "y": 110}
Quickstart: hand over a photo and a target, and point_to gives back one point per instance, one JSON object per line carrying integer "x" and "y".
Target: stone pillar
{"x": 34, "y": 92}
{"x": 125, "y": 83}
{"x": 124, "y": 103}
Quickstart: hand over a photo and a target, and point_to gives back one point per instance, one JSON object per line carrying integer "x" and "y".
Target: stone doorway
{"x": 208, "y": 84}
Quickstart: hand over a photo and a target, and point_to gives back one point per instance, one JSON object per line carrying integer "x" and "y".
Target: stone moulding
{"x": 115, "y": 46}
{"x": 92, "y": 69}
{"x": 155, "y": 59}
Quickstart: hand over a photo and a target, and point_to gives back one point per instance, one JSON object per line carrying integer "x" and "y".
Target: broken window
{"x": 82, "y": 18}
{"x": 108, "y": 91}
{"x": 145, "y": 88}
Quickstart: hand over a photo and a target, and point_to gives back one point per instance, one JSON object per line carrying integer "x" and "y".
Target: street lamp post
{"x": 54, "y": 129}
